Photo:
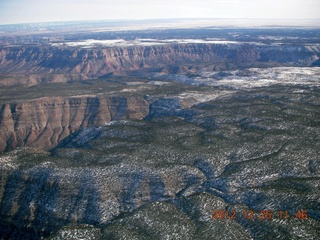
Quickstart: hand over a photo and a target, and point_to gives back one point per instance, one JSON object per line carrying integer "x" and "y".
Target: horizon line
{"x": 156, "y": 19}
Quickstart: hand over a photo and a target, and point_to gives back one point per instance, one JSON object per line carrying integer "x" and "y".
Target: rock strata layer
{"x": 46, "y": 121}
{"x": 60, "y": 64}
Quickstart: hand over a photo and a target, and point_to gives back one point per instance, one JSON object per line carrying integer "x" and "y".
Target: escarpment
{"x": 159, "y": 134}
{"x": 170, "y": 174}
{"x": 59, "y": 64}
{"x": 45, "y": 121}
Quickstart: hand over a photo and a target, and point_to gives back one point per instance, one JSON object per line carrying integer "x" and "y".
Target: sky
{"x": 29, "y": 11}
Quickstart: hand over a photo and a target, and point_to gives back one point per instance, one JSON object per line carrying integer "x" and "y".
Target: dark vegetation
{"x": 200, "y": 148}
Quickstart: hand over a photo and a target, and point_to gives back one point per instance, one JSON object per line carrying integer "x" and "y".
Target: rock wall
{"x": 46, "y": 121}
{"x": 84, "y": 63}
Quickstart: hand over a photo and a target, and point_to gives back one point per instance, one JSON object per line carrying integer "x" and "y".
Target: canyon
{"x": 140, "y": 134}
{"x": 61, "y": 63}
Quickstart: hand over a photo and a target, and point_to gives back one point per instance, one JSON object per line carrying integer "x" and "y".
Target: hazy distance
{"x": 21, "y": 11}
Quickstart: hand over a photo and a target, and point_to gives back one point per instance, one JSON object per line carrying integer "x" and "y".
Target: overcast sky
{"x": 25, "y": 11}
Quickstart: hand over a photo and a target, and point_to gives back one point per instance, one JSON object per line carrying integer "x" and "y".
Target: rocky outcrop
{"x": 46, "y": 121}
{"x": 165, "y": 178}
{"x": 83, "y": 63}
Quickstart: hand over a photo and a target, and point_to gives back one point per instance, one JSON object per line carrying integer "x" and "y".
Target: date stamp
{"x": 262, "y": 215}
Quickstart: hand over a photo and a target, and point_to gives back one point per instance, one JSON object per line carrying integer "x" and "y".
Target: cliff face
{"x": 254, "y": 149}
{"x": 46, "y": 121}
{"x": 83, "y": 63}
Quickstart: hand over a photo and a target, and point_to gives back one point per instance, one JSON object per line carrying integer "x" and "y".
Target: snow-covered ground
{"x": 248, "y": 78}
{"x": 255, "y": 77}
{"x": 140, "y": 42}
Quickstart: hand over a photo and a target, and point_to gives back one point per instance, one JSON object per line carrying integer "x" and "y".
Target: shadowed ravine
{"x": 253, "y": 151}
{"x": 165, "y": 134}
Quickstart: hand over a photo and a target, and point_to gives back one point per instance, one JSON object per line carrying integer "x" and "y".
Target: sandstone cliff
{"x": 82, "y": 63}
{"x": 166, "y": 177}
{"x": 46, "y": 121}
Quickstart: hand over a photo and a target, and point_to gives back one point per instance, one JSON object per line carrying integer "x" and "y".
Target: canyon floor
{"x": 202, "y": 133}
